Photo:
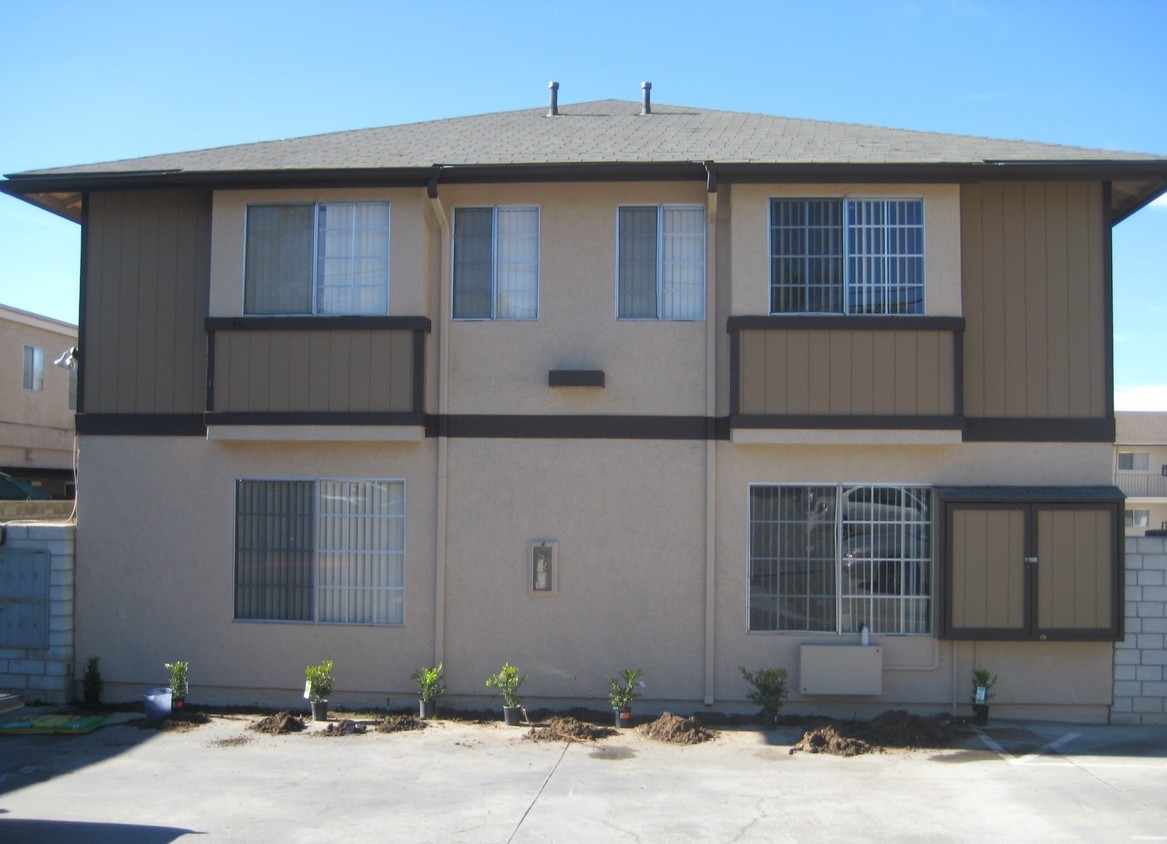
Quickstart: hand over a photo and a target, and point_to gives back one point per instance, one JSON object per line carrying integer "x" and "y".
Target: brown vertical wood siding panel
{"x": 1073, "y": 588}
{"x": 847, "y": 372}
{"x": 988, "y": 588}
{"x": 1034, "y": 297}
{"x": 146, "y": 286}
{"x": 314, "y": 370}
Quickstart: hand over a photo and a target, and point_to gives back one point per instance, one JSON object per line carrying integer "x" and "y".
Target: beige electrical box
{"x": 840, "y": 669}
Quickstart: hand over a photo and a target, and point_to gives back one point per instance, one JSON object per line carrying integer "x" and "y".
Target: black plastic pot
{"x": 512, "y": 716}
{"x": 426, "y": 709}
{"x": 623, "y": 717}
{"x": 980, "y": 714}
{"x": 319, "y": 710}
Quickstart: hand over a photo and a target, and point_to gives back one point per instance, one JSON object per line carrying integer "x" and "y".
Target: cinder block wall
{"x": 1140, "y": 660}
{"x": 45, "y": 674}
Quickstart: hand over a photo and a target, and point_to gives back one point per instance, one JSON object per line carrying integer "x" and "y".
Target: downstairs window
{"x": 324, "y": 551}
{"x": 831, "y": 558}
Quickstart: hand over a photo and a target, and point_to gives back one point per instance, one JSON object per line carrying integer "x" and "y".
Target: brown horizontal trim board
{"x": 580, "y": 427}
{"x": 844, "y": 322}
{"x": 1041, "y": 494}
{"x": 1039, "y": 430}
{"x": 575, "y": 378}
{"x": 322, "y": 417}
{"x": 318, "y": 323}
{"x": 142, "y": 424}
{"x": 848, "y": 423}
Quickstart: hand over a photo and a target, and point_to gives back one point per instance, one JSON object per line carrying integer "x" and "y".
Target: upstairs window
{"x": 1134, "y": 461}
{"x": 496, "y": 263}
{"x": 847, "y": 256}
{"x": 661, "y": 262}
{"x": 34, "y": 369}
{"x": 321, "y": 258}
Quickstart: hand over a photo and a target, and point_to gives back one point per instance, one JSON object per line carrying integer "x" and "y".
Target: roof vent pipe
{"x": 647, "y": 88}
{"x": 554, "y": 110}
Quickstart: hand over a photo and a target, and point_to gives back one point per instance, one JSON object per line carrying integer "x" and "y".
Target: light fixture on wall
{"x": 68, "y": 359}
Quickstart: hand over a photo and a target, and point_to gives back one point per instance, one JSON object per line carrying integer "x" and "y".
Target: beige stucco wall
{"x": 650, "y": 367}
{"x": 749, "y": 230}
{"x": 156, "y": 565}
{"x": 36, "y": 420}
{"x": 918, "y": 669}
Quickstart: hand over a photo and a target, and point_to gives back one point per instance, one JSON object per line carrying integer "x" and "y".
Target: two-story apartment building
{"x": 36, "y": 411}
{"x": 601, "y": 385}
{"x": 1140, "y": 469}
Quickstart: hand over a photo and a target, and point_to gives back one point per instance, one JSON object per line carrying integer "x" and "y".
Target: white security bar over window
{"x": 853, "y": 256}
{"x": 661, "y": 262}
{"x": 830, "y": 558}
{"x": 496, "y": 263}
{"x": 323, "y": 258}
{"x": 330, "y": 551}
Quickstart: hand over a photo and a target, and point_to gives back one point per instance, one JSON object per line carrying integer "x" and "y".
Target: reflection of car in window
{"x": 884, "y": 547}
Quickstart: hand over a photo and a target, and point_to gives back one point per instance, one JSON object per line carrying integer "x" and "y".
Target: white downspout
{"x": 710, "y": 443}
{"x": 442, "y": 445}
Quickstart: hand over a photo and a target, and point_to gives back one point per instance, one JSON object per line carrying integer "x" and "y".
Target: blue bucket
{"x": 157, "y": 704}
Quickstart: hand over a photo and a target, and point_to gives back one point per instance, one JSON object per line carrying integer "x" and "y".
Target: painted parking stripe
{"x": 1050, "y": 747}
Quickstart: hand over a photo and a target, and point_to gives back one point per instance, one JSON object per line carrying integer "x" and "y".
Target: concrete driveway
{"x": 484, "y": 783}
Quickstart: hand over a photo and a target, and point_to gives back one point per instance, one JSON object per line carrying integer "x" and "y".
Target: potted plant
{"x": 769, "y": 690}
{"x": 178, "y": 684}
{"x": 508, "y": 681}
{"x": 318, "y": 687}
{"x": 429, "y": 688}
{"x": 91, "y": 682}
{"x": 982, "y": 681}
{"x": 621, "y": 693}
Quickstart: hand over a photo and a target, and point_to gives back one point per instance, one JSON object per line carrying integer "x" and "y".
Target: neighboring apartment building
{"x": 36, "y": 412}
{"x": 1140, "y": 469}
{"x": 605, "y": 385}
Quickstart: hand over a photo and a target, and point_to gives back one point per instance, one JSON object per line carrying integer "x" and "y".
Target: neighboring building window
{"x": 1134, "y": 461}
{"x": 322, "y": 258}
{"x": 661, "y": 262}
{"x": 496, "y": 263}
{"x": 34, "y": 368}
{"x": 326, "y": 551}
{"x": 1137, "y": 518}
{"x": 833, "y": 558}
{"x": 847, "y": 256}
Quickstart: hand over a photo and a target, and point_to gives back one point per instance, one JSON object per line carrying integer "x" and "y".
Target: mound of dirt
{"x": 568, "y": 729}
{"x": 673, "y": 729}
{"x": 830, "y": 740}
{"x": 399, "y": 724}
{"x": 345, "y": 727}
{"x": 278, "y": 724}
{"x": 892, "y": 729}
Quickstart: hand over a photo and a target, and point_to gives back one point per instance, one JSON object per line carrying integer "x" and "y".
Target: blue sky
{"x": 85, "y": 82}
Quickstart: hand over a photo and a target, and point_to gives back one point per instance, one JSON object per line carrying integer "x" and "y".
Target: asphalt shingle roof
{"x": 605, "y": 132}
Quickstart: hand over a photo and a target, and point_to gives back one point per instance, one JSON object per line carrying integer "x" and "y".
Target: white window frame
{"x": 1137, "y": 518}
{"x": 320, "y": 584}
{"x": 664, "y": 289}
{"x": 1140, "y": 461}
{"x": 316, "y": 280}
{"x": 847, "y": 257}
{"x": 499, "y": 310}
{"x": 908, "y": 623}
{"x": 34, "y": 369}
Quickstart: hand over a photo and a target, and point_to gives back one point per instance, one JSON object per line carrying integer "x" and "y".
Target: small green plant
{"x": 507, "y": 681}
{"x": 178, "y": 678}
{"x": 622, "y": 689}
{"x": 429, "y": 682}
{"x": 982, "y": 679}
{"x": 769, "y": 689}
{"x": 320, "y": 680}
{"x": 91, "y": 679}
